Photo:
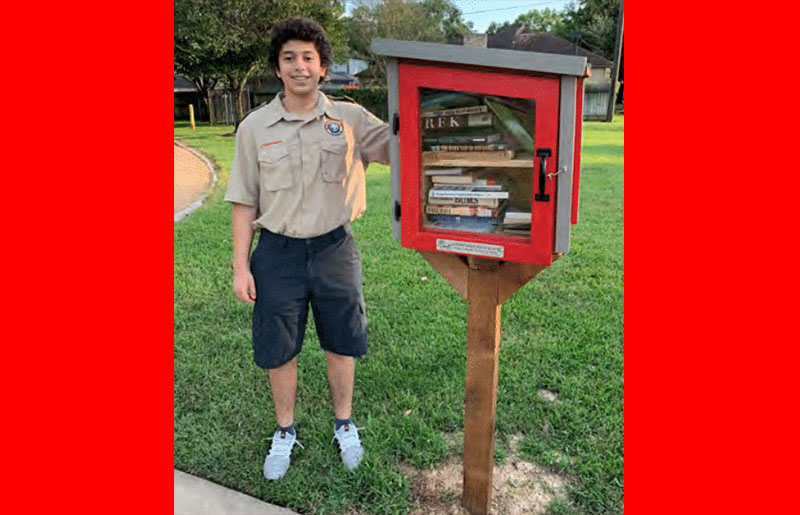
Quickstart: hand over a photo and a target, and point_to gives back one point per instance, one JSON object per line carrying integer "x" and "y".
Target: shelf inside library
{"x": 489, "y": 163}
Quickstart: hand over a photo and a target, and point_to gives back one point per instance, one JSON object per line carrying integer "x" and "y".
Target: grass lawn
{"x": 562, "y": 332}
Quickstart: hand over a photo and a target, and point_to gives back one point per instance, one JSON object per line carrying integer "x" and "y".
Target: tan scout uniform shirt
{"x": 305, "y": 175}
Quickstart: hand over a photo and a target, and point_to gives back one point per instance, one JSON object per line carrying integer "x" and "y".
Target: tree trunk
{"x": 212, "y": 116}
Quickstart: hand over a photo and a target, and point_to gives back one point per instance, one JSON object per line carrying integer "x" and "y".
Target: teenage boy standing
{"x": 298, "y": 177}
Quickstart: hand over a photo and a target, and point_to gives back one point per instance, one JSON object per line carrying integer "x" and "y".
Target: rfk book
{"x": 456, "y": 122}
{"x": 455, "y": 209}
{"x": 455, "y": 191}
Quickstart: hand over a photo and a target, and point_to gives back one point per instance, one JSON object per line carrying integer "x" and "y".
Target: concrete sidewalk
{"x": 194, "y": 179}
{"x": 196, "y": 496}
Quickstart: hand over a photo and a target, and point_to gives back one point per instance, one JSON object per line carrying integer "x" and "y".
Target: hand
{"x": 244, "y": 287}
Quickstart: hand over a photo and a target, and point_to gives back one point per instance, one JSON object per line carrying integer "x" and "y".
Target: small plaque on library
{"x": 465, "y": 247}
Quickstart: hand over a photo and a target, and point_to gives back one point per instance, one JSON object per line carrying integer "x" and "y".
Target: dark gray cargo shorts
{"x": 290, "y": 273}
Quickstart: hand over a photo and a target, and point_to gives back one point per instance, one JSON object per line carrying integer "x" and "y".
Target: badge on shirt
{"x": 333, "y": 127}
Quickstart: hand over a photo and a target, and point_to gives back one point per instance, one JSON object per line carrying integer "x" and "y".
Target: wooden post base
{"x": 485, "y": 284}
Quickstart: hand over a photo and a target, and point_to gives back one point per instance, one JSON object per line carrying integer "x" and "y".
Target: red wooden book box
{"x": 485, "y": 149}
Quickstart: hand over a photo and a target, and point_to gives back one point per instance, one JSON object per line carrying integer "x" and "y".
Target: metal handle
{"x": 542, "y": 154}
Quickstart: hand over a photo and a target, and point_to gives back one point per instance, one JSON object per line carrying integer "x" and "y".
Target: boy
{"x": 298, "y": 177}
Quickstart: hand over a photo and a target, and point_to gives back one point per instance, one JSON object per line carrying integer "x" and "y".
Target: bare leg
{"x": 341, "y": 374}
{"x": 283, "y": 382}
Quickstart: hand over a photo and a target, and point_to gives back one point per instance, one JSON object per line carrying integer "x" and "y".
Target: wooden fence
{"x": 225, "y": 107}
{"x": 595, "y": 102}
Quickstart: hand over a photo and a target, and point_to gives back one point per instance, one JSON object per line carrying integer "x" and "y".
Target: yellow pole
{"x": 191, "y": 115}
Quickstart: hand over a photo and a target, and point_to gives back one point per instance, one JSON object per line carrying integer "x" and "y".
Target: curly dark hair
{"x": 303, "y": 29}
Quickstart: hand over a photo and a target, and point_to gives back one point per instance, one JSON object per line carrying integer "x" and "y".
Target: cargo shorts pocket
{"x": 334, "y": 155}
{"x": 274, "y": 165}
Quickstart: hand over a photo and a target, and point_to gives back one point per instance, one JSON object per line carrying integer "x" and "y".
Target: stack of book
{"x": 516, "y": 222}
{"x": 461, "y": 201}
{"x": 463, "y": 129}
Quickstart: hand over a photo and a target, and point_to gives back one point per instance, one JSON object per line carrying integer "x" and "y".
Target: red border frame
{"x": 544, "y": 90}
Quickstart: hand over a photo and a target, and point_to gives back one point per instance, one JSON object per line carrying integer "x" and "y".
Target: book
{"x": 486, "y": 184}
{"x": 509, "y": 119}
{"x": 462, "y": 223}
{"x": 455, "y": 191}
{"x": 437, "y": 100}
{"x": 455, "y": 209}
{"x": 456, "y": 121}
{"x": 452, "y": 179}
{"x": 430, "y": 157}
{"x": 463, "y": 138}
{"x": 478, "y": 147}
{"x": 466, "y": 201}
{"x": 514, "y": 215}
{"x": 476, "y": 178}
{"x": 444, "y": 171}
{"x": 457, "y": 111}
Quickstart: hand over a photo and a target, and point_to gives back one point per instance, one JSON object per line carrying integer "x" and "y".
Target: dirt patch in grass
{"x": 518, "y": 486}
{"x": 549, "y": 395}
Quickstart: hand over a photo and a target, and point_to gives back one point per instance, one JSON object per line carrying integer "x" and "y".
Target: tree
{"x": 229, "y": 39}
{"x": 545, "y": 20}
{"x": 197, "y": 47}
{"x": 426, "y": 20}
{"x": 596, "y": 20}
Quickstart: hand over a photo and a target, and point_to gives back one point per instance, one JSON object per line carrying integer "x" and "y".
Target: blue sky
{"x": 487, "y": 11}
{"x": 501, "y": 10}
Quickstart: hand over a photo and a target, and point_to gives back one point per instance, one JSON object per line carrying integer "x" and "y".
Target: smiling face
{"x": 299, "y": 68}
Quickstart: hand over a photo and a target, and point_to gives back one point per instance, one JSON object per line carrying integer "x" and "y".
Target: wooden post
{"x": 480, "y": 399}
{"x": 485, "y": 284}
{"x": 191, "y": 115}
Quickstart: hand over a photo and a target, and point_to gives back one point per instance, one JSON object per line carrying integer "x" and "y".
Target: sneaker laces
{"x": 347, "y": 439}
{"x": 283, "y": 446}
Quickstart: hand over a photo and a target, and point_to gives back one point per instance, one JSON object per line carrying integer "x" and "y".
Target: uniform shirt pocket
{"x": 334, "y": 160}
{"x": 276, "y": 173}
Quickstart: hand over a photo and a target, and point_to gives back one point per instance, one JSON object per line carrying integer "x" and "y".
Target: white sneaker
{"x": 349, "y": 445}
{"x": 277, "y": 461}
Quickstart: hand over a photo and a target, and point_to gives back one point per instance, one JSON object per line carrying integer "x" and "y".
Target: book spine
{"x": 461, "y": 210}
{"x": 457, "y": 111}
{"x": 461, "y": 139}
{"x": 461, "y": 201}
{"x": 448, "y": 193}
{"x": 488, "y": 147}
{"x": 452, "y": 122}
{"x": 452, "y": 179}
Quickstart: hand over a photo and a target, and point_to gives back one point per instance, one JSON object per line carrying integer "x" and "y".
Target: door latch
{"x": 542, "y": 154}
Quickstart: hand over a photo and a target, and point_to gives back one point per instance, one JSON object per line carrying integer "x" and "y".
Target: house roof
{"x": 184, "y": 85}
{"x": 515, "y": 38}
{"x": 340, "y": 77}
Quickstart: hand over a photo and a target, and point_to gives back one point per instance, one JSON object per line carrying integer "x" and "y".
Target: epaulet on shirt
{"x": 256, "y": 108}
{"x": 343, "y": 98}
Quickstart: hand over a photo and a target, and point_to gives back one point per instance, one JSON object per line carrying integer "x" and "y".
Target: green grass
{"x": 563, "y": 331}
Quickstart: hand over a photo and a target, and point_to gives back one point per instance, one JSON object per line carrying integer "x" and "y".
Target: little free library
{"x": 485, "y": 169}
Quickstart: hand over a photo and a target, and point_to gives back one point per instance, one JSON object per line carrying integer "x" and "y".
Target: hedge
{"x": 374, "y": 99}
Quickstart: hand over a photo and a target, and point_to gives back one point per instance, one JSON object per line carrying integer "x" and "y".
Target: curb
{"x": 194, "y": 496}
{"x": 183, "y": 213}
